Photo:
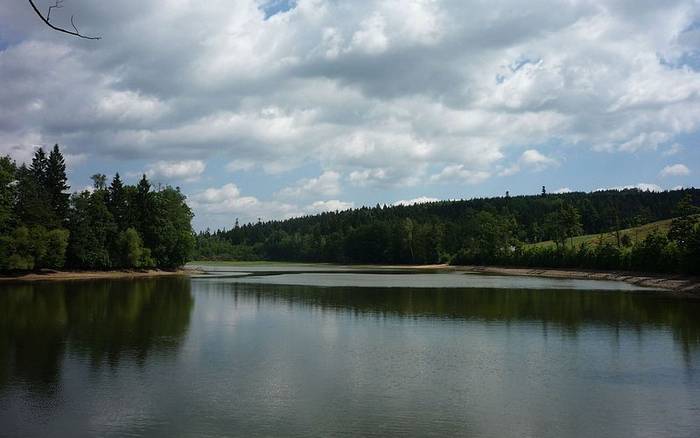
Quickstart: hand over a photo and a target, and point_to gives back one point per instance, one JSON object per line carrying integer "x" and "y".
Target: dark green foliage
{"x": 142, "y": 200}
{"x": 168, "y": 227}
{"x": 691, "y": 259}
{"x": 626, "y": 241}
{"x": 32, "y": 204}
{"x": 131, "y": 252}
{"x": 33, "y": 248}
{"x": 21, "y": 254}
{"x": 478, "y": 231}
{"x": 684, "y": 225}
{"x": 56, "y": 183}
{"x": 491, "y": 240}
{"x": 56, "y": 246}
{"x": 39, "y": 166}
{"x": 99, "y": 181}
{"x": 117, "y": 202}
{"x": 562, "y": 224}
{"x": 92, "y": 230}
{"x": 118, "y": 226}
{"x": 162, "y": 235}
{"x": 41, "y": 191}
{"x": 8, "y": 173}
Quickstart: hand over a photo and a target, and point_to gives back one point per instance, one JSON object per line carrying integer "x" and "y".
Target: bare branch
{"x": 57, "y": 5}
{"x": 60, "y": 29}
{"x": 73, "y": 24}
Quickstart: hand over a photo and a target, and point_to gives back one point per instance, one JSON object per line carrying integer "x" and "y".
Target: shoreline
{"x": 674, "y": 283}
{"x": 51, "y": 275}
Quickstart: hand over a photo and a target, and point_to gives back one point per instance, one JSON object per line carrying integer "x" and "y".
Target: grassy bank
{"x": 635, "y": 235}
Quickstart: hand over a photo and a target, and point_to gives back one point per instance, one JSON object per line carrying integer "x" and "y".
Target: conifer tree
{"x": 117, "y": 202}
{"x": 56, "y": 184}
{"x": 144, "y": 215}
{"x": 8, "y": 171}
{"x": 39, "y": 166}
{"x": 32, "y": 204}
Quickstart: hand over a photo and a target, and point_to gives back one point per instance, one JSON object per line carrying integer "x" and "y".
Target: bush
{"x": 54, "y": 255}
{"x": 131, "y": 252}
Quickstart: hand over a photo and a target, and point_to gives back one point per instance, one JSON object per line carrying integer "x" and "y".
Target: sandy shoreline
{"x": 679, "y": 284}
{"x": 96, "y": 275}
{"x": 676, "y": 284}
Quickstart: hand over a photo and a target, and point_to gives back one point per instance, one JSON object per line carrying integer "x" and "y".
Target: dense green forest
{"x": 481, "y": 231}
{"x": 109, "y": 227}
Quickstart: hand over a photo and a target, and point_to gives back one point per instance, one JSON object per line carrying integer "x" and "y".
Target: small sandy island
{"x": 50, "y": 275}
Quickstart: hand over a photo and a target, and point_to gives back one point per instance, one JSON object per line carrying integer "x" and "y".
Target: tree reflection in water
{"x": 565, "y": 310}
{"x": 105, "y": 321}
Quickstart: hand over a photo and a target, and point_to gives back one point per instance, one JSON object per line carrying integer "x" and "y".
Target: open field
{"x": 636, "y": 234}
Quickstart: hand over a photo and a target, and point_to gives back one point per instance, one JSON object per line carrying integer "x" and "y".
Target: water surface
{"x": 364, "y": 353}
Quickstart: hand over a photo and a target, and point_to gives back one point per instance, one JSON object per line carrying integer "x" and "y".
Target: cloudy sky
{"x": 269, "y": 109}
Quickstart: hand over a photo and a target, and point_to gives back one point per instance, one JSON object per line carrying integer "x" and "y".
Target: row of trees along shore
{"x": 490, "y": 231}
{"x": 108, "y": 227}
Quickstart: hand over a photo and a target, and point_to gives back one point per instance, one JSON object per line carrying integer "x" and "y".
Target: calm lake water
{"x": 347, "y": 352}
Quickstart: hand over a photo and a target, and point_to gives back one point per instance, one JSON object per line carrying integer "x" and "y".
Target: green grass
{"x": 636, "y": 234}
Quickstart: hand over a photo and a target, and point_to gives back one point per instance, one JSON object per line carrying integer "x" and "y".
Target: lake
{"x": 327, "y": 351}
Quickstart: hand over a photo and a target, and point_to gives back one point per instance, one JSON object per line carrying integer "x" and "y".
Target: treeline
{"x": 478, "y": 231}
{"x": 675, "y": 251}
{"x": 109, "y": 227}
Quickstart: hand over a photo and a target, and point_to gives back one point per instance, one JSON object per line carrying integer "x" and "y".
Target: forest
{"x": 484, "y": 231}
{"x": 115, "y": 226}
{"x": 121, "y": 226}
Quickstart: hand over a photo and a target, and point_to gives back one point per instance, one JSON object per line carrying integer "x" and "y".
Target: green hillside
{"x": 636, "y": 234}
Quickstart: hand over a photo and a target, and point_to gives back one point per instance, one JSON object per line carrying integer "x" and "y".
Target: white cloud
{"x": 326, "y": 184}
{"x": 222, "y": 205}
{"x": 188, "y": 170}
{"x": 382, "y": 92}
{"x": 532, "y": 160}
{"x": 563, "y": 190}
{"x": 458, "y": 173}
{"x": 331, "y": 205}
{"x": 674, "y": 170}
{"x": 227, "y": 200}
{"x": 371, "y": 37}
{"x": 240, "y": 165}
{"x": 418, "y": 200}
{"x": 674, "y": 149}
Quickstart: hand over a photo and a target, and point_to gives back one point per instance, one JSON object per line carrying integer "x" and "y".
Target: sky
{"x": 274, "y": 109}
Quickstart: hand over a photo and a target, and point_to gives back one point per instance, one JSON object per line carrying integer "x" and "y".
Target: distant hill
{"x": 437, "y": 231}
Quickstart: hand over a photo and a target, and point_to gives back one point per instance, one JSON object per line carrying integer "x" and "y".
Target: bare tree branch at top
{"x": 47, "y": 20}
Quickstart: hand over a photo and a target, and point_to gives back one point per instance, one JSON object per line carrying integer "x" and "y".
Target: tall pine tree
{"x": 117, "y": 203}
{"x": 56, "y": 184}
{"x": 144, "y": 211}
{"x": 8, "y": 171}
{"x": 39, "y": 166}
{"x": 32, "y": 203}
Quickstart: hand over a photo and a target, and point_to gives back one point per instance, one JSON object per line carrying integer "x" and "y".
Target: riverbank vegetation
{"x": 115, "y": 226}
{"x": 491, "y": 231}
